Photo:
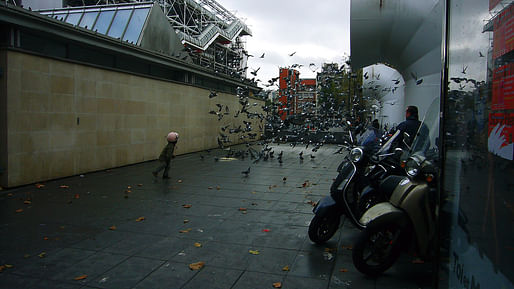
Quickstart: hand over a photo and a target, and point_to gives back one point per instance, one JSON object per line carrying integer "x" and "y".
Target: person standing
{"x": 166, "y": 155}
{"x": 410, "y": 126}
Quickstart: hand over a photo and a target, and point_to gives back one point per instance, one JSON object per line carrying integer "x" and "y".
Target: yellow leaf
{"x": 19, "y": 210}
{"x": 8, "y": 266}
{"x": 39, "y": 186}
{"x": 26, "y": 256}
{"x": 129, "y": 187}
{"x": 198, "y": 245}
{"x": 42, "y": 255}
{"x": 218, "y": 188}
{"x": 179, "y": 181}
{"x": 286, "y": 268}
{"x": 64, "y": 186}
{"x": 186, "y": 221}
{"x": 242, "y": 209}
{"x": 45, "y": 238}
{"x": 277, "y": 285}
{"x": 187, "y": 206}
{"x": 2, "y": 267}
{"x": 185, "y": 231}
{"x": 254, "y": 252}
{"x": 197, "y": 265}
{"x": 139, "y": 185}
{"x": 27, "y": 202}
{"x": 81, "y": 277}
{"x": 112, "y": 228}
{"x": 140, "y": 219}
{"x": 343, "y": 270}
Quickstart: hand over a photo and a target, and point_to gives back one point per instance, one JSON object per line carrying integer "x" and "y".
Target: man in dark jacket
{"x": 410, "y": 126}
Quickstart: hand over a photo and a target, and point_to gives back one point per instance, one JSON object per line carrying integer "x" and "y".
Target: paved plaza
{"x": 209, "y": 226}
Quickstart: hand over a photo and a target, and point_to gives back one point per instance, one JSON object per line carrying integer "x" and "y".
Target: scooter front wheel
{"x": 322, "y": 228}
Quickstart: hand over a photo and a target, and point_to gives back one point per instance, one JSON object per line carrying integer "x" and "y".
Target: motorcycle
{"x": 360, "y": 169}
{"x": 408, "y": 219}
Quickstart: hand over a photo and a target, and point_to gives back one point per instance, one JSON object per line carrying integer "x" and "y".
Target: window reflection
{"x": 119, "y": 23}
{"x": 73, "y": 18}
{"x": 88, "y": 19}
{"x": 103, "y": 22}
{"x": 136, "y": 25}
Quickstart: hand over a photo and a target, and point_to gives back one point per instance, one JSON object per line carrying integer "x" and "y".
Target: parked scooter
{"x": 357, "y": 171}
{"x": 408, "y": 219}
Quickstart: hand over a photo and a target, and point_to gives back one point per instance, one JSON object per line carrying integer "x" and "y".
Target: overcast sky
{"x": 318, "y": 31}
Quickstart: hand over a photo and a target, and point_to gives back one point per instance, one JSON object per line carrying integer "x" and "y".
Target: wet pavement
{"x": 123, "y": 228}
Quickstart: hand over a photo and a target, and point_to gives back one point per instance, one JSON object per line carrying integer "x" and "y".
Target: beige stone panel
{"x": 105, "y": 158}
{"x": 104, "y": 139}
{"x": 60, "y": 140}
{"x": 14, "y": 60}
{"x": 35, "y": 63}
{"x": 121, "y": 155}
{"x": 18, "y": 121}
{"x": 137, "y": 136}
{"x": 35, "y": 102}
{"x": 61, "y": 68}
{"x": 40, "y": 121}
{"x": 104, "y": 89}
{"x": 62, "y": 84}
{"x": 106, "y": 105}
{"x": 61, "y": 103}
{"x": 85, "y": 160}
{"x": 87, "y": 122}
{"x": 136, "y": 121}
{"x": 86, "y": 140}
{"x": 62, "y": 121}
{"x": 86, "y": 104}
{"x": 33, "y": 81}
{"x": 151, "y": 108}
{"x": 61, "y": 163}
{"x": 106, "y": 122}
{"x": 136, "y": 153}
{"x": 85, "y": 87}
{"x": 152, "y": 150}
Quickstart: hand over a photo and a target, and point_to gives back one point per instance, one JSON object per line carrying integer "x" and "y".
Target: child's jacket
{"x": 167, "y": 152}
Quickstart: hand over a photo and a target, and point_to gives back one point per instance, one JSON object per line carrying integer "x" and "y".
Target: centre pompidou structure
{"x": 210, "y": 33}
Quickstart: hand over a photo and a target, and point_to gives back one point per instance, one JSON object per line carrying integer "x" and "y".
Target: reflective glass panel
{"x": 59, "y": 16}
{"x": 73, "y": 18}
{"x": 478, "y": 201}
{"x": 119, "y": 23}
{"x": 103, "y": 22}
{"x": 88, "y": 19}
{"x": 136, "y": 25}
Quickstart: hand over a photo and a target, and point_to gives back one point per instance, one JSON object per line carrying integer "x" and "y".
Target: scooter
{"x": 357, "y": 171}
{"x": 408, "y": 219}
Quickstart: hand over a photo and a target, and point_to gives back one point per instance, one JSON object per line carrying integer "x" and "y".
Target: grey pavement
{"x": 123, "y": 228}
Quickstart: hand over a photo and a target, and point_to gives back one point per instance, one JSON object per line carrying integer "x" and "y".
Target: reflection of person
{"x": 410, "y": 126}
{"x": 166, "y": 155}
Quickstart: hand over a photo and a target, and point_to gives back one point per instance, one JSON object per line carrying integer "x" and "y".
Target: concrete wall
{"x": 65, "y": 119}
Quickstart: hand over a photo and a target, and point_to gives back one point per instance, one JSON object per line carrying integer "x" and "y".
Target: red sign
{"x": 503, "y": 88}
{"x": 503, "y": 38}
{"x": 505, "y": 120}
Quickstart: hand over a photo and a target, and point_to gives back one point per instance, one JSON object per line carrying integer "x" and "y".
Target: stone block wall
{"x": 65, "y": 118}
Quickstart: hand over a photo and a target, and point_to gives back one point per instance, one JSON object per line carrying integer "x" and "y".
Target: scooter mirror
{"x": 398, "y": 152}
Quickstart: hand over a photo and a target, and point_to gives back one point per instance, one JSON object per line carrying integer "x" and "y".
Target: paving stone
{"x": 127, "y": 274}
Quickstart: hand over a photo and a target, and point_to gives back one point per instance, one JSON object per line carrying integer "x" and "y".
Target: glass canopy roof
{"x": 125, "y": 21}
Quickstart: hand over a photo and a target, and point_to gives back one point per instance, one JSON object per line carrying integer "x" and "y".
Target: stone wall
{"x": 65, "y": 118}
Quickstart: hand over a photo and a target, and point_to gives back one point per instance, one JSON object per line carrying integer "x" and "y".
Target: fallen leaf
{"x": 64, "y": 186}
{"x": 179, "y": 181}
{"x": 286, "y": 268}
{"x": 62, "y": 227}
{"x": 19, "y": 210}
{"x": 242, "y": 209}
{"x": 343, "y": 270}
{"x": 139, "y": 185}
{"x": 187, "y": 206}
{"x": 254, "y": 252}
{"x": 2, "y": 267}
{"x": 197, "y": 265}
{"x": 112, "y": 228}
{"x": 330, "y": 250}
{"x": 140, "y": 219}
{"x": 254, "y": 192}
{"x": 77, "y": 196}
{"x": 10, "y": 194}
{"x": 210, "y": 188}
{"x": 185, "y": 231}
{"x": 129, "y": 187}
{"x": 26, "y": 256}
{"x": 218, "y": 188}
{"x": 311, "y": 202}
{"x": 418, "y": 261}
{"x": 27, "y": 202}
{"x": 277, "y": 285}
{"x": 186, "y": 221}
{"x": 349, "y": 247}
{"x": 45, "y": 238}
{"x": 266, "y": 230}
{"x": 81, "y": 277}
{"x": 39, "y": 186}
{"x": 42, "y": 255}
{"x": 8, "y": 266}
{"x": 198, "y": 245}
{"x": 128, "y": 191}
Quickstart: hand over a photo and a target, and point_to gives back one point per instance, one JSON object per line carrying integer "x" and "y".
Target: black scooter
{"x": 360, "y": 171}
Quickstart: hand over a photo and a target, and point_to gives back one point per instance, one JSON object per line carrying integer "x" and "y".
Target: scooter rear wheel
{"x": 322, "y": 228}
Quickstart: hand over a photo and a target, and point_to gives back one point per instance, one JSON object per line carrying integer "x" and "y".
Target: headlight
{"x": 412, "y": 168}
{"x": 356, "y": 154}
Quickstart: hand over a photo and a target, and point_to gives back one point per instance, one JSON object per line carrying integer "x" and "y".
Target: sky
{"x": 317, "y": 31}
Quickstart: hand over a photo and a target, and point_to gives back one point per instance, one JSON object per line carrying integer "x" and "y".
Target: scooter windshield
{"x": 387, "y": 145}
{"x": 427, "y": 138}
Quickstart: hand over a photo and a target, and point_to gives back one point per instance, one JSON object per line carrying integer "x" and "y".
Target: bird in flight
{"x": 292, "y": 53}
